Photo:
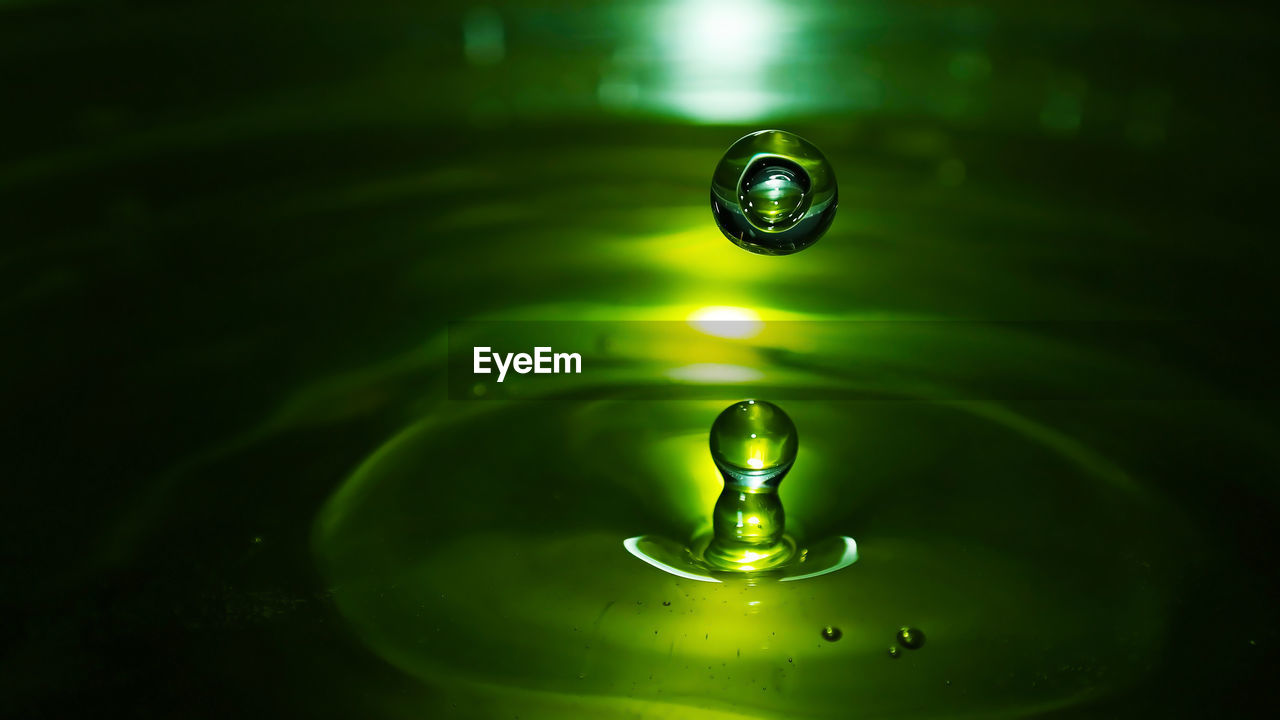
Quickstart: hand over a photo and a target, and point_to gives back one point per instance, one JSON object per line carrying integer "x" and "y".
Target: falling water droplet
{"x": 773, "y": 193}
{"x": 666, "y": 603}
{"x": 910, "y": 638}
{"x": 893, "y": 652}
{"x": 831, "y": 634}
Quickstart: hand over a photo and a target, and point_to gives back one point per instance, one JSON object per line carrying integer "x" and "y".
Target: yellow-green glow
{"x": 396, "y": 582}
{"x": 727, "y": 322}
{"x": 751, "y": 438}
{"x": 754, "y": 444}
{"x": 677, "y": 473}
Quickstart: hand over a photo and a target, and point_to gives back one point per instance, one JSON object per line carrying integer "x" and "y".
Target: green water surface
{"x": 1028, "y": 362}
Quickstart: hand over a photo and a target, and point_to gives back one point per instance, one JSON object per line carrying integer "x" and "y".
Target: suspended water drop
{"x": 831, "y": 634}
{"x": 773, "y": 193}
{"x": 893, "y": 652}
{"x": 754, "y": 443}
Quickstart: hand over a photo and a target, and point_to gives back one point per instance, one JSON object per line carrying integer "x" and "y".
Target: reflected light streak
{"x": 633, "y": 546}
{"x": 711, "y": 373}
{"x": 726, "y": 322}
{"x": 850, "y": 557}
{"x": 716, "y": 57}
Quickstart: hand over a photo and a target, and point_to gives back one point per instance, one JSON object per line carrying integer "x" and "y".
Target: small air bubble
{"x": 910, "y": 638}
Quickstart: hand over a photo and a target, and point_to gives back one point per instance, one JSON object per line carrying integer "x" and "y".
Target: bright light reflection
{"x": 717, "y": 55}
{"x": 714, "y": 373}
{"x": 850, "y": 557}
{"x": 633, "y": 546}
{"x": 847, "y": 558}
{"x": 726, "y": 322}
{"x": 731, "y": 105}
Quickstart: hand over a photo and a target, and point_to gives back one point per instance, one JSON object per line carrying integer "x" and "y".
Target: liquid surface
{"x": 983, "y": 579}
{"x": 235, "y": 233}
